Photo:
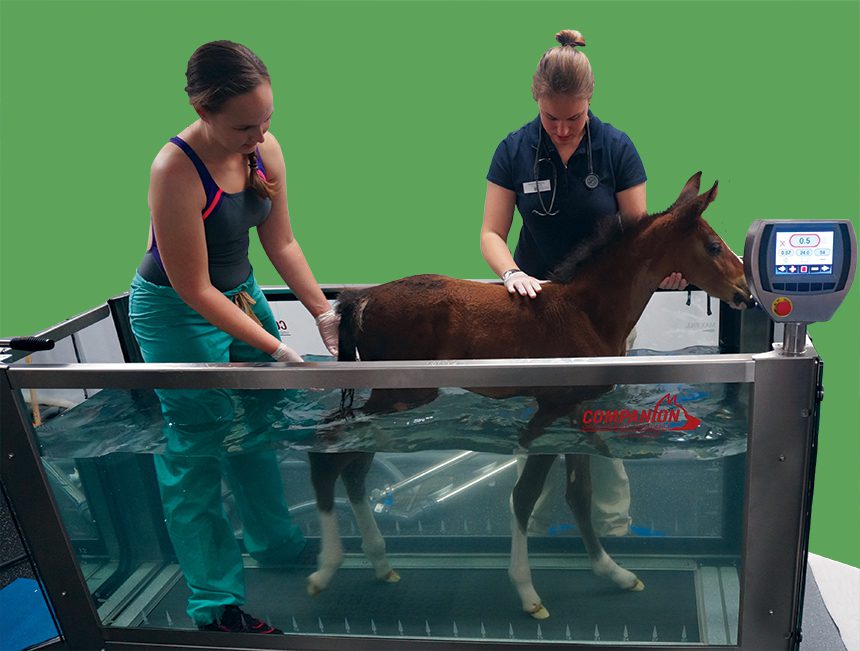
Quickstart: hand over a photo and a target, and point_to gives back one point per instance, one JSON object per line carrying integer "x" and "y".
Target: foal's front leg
{"x": 578, "y": 496}
{"x": 526, "y": 492}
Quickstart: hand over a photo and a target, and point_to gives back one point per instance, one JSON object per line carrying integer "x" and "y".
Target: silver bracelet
{"x": 509, "y": 273}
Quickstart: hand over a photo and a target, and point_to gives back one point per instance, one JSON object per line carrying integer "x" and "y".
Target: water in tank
{"x": 667, "y": 465}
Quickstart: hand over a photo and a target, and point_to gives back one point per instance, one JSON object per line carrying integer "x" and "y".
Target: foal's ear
{"x": 691, "y": 189}
{"x": 694, "y": 209}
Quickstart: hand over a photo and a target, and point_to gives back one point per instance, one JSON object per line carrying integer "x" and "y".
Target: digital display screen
{"x": 803, "y": 252}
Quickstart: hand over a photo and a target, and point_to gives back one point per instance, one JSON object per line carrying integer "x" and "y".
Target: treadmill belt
{"x": 464, "y": 603}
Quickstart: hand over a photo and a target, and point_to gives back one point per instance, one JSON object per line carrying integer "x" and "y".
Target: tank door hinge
{"x": 795, "y": 638}
{"x": 819, "y": 383}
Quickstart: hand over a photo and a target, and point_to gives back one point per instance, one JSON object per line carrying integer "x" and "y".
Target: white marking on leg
{"x": 372, "y": 542}
{"x": 520, "y": 573}
{"x": 605, "y": 567}
{"x": 331, "y": 554}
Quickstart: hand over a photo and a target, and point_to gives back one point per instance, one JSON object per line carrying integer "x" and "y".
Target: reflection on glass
{"x": 666, "y": 505}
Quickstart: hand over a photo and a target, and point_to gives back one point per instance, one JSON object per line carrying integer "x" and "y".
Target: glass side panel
{"x": 95, "y": 343}
{"x": 221, "y": 492}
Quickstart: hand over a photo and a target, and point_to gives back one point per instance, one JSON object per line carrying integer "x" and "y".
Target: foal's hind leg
{"x": 325, "y": 469}
{"x": 372, "y": 542}
{"x": 353, "y": 467}
{"x": 526, "y": 492}
{"x": 578, "y": 497}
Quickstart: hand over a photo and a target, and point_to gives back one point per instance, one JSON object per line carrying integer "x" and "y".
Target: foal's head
{"x": 694, "y": 249}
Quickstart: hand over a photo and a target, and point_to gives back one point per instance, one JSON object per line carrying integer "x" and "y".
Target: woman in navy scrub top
{"x": 564, "y": 171}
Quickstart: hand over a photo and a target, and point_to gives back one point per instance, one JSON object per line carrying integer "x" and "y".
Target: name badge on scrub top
{"x": 531, "y": 187}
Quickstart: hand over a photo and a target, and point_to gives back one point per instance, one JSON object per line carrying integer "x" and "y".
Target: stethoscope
{"x": 591, "y": 179}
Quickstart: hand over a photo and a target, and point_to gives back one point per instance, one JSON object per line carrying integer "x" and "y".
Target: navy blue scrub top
{"x": 545, "y": 240}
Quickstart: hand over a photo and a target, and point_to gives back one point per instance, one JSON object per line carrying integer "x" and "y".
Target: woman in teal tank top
{"x": 195, "y": 299}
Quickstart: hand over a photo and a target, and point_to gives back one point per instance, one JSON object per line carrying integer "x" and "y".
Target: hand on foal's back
{"x": 523, "y": 284}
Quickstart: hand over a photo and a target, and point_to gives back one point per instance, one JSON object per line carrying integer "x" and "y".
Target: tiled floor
{"x": 839, "y": 586}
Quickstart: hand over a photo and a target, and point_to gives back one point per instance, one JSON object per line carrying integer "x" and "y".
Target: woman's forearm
{"x": 292, "y": 266}
{"x": 225, "y": 315}
{"x": 496, "y": 253}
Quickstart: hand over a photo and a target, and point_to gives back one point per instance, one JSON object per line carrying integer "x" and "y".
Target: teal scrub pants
{"x": 190, "y": 472}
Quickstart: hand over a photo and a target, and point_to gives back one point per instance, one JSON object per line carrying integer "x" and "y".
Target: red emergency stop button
{"x": 782, "y": 306}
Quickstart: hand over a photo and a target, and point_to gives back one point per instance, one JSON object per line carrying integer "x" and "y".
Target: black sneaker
{"x": 236, "y": 620}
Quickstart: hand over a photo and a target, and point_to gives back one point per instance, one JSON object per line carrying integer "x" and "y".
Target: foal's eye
{"x": 714, "y": 248}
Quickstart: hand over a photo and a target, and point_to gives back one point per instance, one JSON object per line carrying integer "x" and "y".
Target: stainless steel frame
{"x": 781, "y": 455}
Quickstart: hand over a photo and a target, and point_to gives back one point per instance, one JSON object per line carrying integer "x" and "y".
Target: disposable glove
{"x": 521, "y": 283}
{"x": 286, "y": 354}
{"x": 673, "y": 281}
{"x": 328, "y": 323}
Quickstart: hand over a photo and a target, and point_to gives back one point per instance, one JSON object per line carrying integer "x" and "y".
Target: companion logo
{"x": 666, "y": 415}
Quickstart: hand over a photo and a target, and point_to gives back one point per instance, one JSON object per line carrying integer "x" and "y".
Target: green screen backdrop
{"x": 389, "y": 113}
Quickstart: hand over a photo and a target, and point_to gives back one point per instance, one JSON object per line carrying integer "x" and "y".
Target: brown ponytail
{"x": 261, "y": 186}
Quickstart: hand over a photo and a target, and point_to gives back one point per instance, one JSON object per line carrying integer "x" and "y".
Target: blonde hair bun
{"x": 564, "y": 70}
{"x": 570, "y": 37}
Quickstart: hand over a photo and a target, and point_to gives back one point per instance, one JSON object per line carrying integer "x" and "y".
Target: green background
{"x": 389, "y": 113}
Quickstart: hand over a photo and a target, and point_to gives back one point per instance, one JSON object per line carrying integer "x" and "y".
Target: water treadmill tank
{"x": 677, "y": 451}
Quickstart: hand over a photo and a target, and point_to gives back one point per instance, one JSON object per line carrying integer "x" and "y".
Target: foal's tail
{"x": 347, "y": 306}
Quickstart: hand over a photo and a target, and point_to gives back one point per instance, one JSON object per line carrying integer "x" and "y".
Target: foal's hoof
{"x": 313, "y": 588}
{"x": 391, "y": 577}
{"x": 638, "y": 586}
{"x": 538, "y": 612}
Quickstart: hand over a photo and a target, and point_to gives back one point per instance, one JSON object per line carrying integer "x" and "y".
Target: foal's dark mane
{"x": 607, "y": 232}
